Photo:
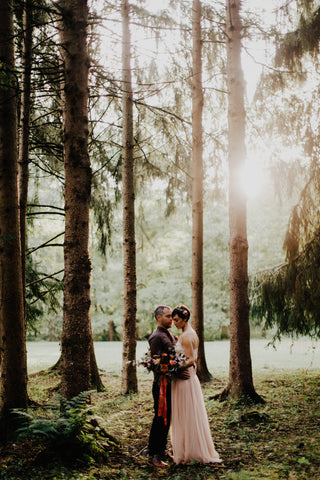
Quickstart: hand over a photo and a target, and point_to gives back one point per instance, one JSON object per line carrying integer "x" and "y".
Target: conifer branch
{"x": 44, "y": 278}
{"x": 45, "y": 243}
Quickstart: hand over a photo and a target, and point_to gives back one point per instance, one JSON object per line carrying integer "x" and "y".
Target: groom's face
{"x": 165, "y": 319}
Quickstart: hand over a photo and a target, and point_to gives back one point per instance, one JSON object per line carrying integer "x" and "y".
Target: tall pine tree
{"x": 197, "y": 191}
{"x": 240, "y": 370}
{"x": 129, "y": 375}
{"x": 76, "y": 335}
{"x": 12, "y": 325}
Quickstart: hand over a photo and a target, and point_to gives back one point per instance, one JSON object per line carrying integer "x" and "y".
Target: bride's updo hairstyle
{"x": 182, "y": 311}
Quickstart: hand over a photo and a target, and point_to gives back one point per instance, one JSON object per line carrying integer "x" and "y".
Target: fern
{"x": 69, "y": 433}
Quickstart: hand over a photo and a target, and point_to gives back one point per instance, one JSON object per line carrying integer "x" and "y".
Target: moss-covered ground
{"x": 277, "y": 440}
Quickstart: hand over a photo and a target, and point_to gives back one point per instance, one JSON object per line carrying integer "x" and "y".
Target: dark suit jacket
{"x": 161, "y": 341}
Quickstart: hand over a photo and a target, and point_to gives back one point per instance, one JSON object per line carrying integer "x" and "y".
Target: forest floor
{"x": 276, "y": 440}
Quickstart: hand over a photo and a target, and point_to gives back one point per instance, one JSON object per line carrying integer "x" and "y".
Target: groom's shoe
{"x": 156, "y": 462}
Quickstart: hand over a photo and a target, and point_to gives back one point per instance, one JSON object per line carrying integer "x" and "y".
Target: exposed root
{"x": 244, "y": 396}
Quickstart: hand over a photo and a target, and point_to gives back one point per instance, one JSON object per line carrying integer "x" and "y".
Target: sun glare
{"x": 252, "y": 179}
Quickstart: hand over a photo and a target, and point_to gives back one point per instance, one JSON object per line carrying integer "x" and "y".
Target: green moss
{"x": 277, "y": 440}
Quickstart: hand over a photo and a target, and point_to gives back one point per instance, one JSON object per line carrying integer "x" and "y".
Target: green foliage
{"x": 43, "y": 295}
{"x": 288, "y": 297}
{"x": 240, "y": 476}
{"x": 163, "y": 265}
{"x": 7, "y": 76}
{"x": 66, "y": 424}
{"x": 68, "y": 433}
{"x": 303, "y": 224}
{"x": 304, "y": 39}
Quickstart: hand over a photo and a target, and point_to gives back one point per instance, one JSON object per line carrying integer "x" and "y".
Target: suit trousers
{"x": 159, "y": 431}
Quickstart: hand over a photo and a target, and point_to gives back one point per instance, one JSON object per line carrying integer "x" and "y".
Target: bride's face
{"x": 179, "y": 322}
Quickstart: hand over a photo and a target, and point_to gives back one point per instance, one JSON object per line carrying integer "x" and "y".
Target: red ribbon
{"x": 162, "y": 409}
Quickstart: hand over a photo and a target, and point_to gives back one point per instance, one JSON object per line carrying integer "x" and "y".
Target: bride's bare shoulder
{"x": 193, "y": 338}
{"x": 189, "y": 337}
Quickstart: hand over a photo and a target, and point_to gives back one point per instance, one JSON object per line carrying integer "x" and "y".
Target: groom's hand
{"x": 183, "y": 374}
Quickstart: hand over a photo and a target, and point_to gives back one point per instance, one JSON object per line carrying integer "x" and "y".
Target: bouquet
{"x": 168, "y": 364}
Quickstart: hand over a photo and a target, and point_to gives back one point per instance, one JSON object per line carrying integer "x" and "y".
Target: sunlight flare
{"x": 252, "y": 178}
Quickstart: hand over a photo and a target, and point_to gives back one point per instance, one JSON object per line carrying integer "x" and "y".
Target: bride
{"x": 190, "y": 432}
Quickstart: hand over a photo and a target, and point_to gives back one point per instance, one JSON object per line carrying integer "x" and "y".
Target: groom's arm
{"x": 184, "y": 374}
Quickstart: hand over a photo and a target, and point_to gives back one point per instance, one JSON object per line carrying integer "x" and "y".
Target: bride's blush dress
{"x": 190, "y": 431}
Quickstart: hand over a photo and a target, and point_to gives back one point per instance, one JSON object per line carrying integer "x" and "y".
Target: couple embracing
{"x": 180, "y": 404}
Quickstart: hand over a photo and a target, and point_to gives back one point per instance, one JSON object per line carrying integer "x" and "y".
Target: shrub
{"x": 71, "y": 432}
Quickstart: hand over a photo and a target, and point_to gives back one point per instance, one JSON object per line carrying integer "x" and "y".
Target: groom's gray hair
{"x": 159, "y": 310}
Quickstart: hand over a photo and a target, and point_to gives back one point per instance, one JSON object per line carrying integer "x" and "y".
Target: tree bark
{"x": 129, "y": 373}
{"x": 23, "y": 163}
{"x": 197, "y": 192}
{"x": 240, "y": 370}
{"x": 76, "y": 333}
{"x": 13, "y": 358}
{"x": 95, "y": 378}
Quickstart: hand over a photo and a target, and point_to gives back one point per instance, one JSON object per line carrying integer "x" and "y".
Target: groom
{"x": 161, "y": 341}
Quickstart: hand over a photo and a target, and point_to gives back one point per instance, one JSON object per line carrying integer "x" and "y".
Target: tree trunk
{"x": 95, "y": 378}
{"x": 76, "y": 333}
{"x": 240, "y": 370}
{"x": 197, "y": 192}
{"x": 13, "y": 358}
{"x": 129, "y": 373}
{"x": 23, "y": 164}
{"x": 111, "y": 331}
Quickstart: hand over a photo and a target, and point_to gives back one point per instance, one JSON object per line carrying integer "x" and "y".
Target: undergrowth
{"x": 277, "y": 440}
{"x": 70, "y": 432}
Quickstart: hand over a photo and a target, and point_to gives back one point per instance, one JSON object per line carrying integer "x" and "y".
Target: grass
{"x": 278, "y": 440}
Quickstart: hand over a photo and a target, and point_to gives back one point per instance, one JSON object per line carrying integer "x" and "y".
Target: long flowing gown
{"x": 190, "y": 431}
